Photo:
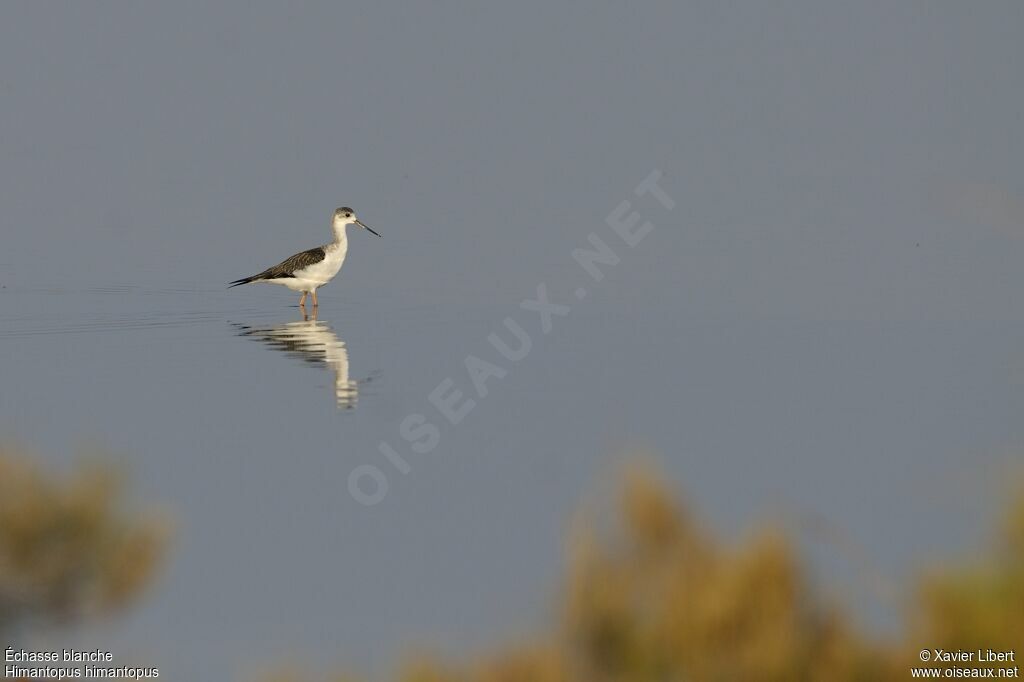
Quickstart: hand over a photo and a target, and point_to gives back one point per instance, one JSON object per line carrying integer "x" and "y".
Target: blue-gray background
{"x": 827, "y": 326}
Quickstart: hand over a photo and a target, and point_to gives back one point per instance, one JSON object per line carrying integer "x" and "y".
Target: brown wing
{"x": 286, "y": 268}
{"x": 289, "y": 266}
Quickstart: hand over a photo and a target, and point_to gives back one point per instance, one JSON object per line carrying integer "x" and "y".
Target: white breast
{"x": 319, "y": 274}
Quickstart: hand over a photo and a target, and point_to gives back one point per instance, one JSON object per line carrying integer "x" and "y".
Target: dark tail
{"x": 244, "y": 280}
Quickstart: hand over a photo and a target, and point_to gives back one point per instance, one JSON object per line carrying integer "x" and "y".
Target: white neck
{"x": 340, "y": 233}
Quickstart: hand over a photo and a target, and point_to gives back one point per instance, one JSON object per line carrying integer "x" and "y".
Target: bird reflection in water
{"x": 312, "y": 341}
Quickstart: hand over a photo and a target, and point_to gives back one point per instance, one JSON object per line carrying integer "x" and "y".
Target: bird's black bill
{"x": 366, "y": 227}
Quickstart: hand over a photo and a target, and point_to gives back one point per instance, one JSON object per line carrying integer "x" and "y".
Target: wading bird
{"x": 310, "y": 270}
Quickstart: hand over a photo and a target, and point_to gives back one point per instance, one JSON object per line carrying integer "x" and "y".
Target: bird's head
{"x": 345, "y": 216}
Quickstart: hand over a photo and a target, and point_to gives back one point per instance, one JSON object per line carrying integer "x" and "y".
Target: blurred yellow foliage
{"x": 69, "y": 548}
{"x": 654, "y": 597}
{"x": 649, "y": 594}
{"x": 979, "y": 607}
{"x": 662, "y": 600}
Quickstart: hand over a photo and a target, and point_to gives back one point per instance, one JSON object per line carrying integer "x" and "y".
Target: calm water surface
{"x": 244, "y": 419}
{"x": 823, "y": 329}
